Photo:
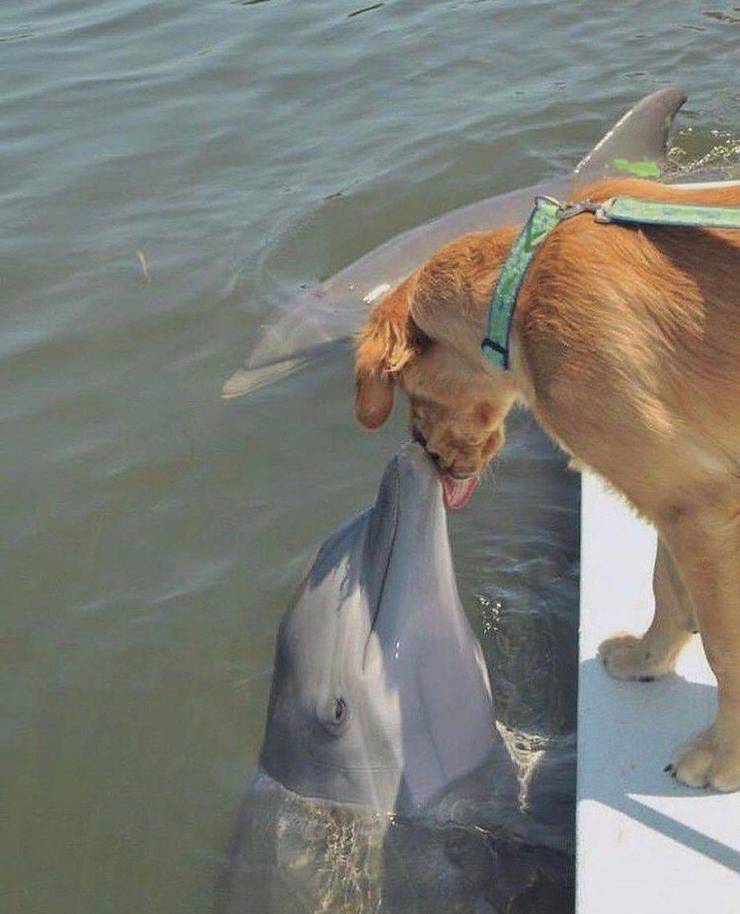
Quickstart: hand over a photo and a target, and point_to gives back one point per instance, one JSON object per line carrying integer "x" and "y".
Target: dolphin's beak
{"x": 247, "y": 380}
{"x": 408, "y": 507}
{"x": 418, "y": 474}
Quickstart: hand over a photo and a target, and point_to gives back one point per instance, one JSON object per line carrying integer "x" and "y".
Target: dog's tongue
{"x": 457, "y": 492}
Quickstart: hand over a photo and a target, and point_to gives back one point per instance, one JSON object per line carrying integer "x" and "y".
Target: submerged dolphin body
{"x": 385, "y": 784}
{"x": 335, "y": 309}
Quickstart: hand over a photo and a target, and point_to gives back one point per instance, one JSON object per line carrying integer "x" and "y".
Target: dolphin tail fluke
{"x": 637, "y": 144}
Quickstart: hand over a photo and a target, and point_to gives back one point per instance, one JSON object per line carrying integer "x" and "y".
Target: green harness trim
{"x": 549, "y": 213}
{"x": 630, "y": 211}
{"x": 546, "y": 214}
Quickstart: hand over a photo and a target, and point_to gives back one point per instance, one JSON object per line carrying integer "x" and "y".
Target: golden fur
{"x": 626, "y": 347}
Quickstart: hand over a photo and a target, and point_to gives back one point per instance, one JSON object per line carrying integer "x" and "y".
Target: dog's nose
{"x": 420, "y": 439}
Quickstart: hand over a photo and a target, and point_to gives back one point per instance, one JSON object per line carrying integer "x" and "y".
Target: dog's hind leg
{"x": 706, "y": 546}
{"x": 654, "y": 654}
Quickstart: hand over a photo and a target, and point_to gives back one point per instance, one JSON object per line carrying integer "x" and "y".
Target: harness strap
{"x": 542, "y": 220}
{"x": 547, "y": 214}
{"x": 631, "y": 211}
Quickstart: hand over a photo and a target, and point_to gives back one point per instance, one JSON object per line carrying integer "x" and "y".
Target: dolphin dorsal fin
{"x": 637, "y": 144}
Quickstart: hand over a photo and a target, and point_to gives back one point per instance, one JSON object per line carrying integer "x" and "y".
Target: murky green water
{"x": 170, "y": 171}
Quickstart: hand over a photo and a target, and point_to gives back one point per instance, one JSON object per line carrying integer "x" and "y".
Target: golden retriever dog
{"x": 626, "y": 347}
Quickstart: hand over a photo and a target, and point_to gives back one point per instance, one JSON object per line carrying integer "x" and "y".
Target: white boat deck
{"x": 645, "y": 843}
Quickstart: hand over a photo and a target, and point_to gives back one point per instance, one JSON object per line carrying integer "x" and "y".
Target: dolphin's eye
{"x": 340, "y": 710}
{"x": 335, "y": 715}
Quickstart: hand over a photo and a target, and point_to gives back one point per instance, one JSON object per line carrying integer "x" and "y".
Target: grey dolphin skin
{"x": 334, "y": 309}
{"x": 384, "y": 783}
{"x": 380, "y": 694}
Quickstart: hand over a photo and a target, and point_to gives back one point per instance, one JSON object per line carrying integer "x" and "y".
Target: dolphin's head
{"x": 380, "y": 694}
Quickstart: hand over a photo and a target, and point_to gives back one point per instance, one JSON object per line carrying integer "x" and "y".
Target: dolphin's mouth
{"x": 457, "y": 492}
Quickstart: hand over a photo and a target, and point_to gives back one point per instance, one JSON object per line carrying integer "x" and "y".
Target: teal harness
{"x": 549, "y": 213}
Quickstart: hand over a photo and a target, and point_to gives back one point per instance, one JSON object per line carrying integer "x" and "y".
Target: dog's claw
{"x": 668, "y": 767}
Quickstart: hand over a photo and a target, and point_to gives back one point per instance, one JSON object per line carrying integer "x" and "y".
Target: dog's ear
{"x": 387, "y": 343}
{"x": 373, "y": 398}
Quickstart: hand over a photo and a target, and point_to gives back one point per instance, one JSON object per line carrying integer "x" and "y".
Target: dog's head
{"x": 425, "y": 338}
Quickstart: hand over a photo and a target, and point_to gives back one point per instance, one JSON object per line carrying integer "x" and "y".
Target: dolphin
{"x": 380, "y": 693}
{"x": 334, "y": 309}
{"x": 384, "y": 782}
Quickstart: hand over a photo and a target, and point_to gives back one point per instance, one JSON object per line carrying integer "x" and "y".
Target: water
{"x": 171, "y": 170}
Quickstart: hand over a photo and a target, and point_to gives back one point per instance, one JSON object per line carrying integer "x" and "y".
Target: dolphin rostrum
{"x": 333, "y": 310}
{"x": 385, "y": 784}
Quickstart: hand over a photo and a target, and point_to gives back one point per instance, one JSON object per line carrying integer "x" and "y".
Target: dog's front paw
{"x": 628, "y": 657}
{"x": 707, "y": 761}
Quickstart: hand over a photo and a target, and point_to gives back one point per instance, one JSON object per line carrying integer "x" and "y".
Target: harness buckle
{"x": 568, "y": 210}
{"x": 602, "y": 212}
